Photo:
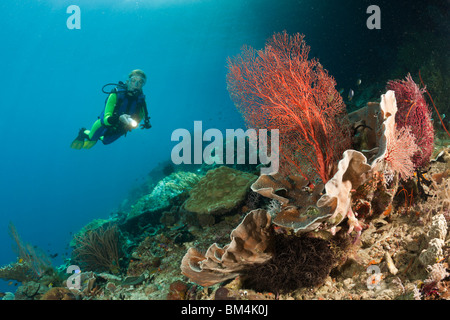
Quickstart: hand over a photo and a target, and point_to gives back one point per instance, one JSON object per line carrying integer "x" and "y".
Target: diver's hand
{"x": 146, "y": 125}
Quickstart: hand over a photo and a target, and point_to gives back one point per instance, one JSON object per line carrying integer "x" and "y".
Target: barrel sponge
{"x": 219, "y": 191}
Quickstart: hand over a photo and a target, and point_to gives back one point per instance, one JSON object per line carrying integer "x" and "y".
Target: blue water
{"x": 51, "y": 79}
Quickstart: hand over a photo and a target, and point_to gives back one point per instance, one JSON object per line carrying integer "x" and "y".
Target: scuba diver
{"x": 125, "y": 108}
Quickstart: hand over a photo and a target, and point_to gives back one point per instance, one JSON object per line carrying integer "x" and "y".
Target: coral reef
{"x": 336, "y": 223}
{"x": 58, "y": 294}
{"x": 31, "y": 290}
{"x": 219, "y": 191}
{"x": 391, "y": 240}
{"x": 18, "y": 271}
{"x": 355, "y": 183}
{"x": 162, "y": 194}
{"x": 169, "y": 191}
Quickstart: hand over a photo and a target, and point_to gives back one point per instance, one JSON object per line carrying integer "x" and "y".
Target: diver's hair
{"x": 137, "y": 72}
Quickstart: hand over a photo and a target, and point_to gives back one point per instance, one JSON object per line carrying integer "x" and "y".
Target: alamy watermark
{"x": 373, "y": 282}
{"x": 374, "y": 21}
{"x": 190, "y": 149}
{"x": 74, "y": 20}
{"x": 74, "y": 281}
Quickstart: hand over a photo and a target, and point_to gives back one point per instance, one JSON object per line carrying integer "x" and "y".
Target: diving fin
{"x": 89, "y": 144}
{"x": 78, "y": 143}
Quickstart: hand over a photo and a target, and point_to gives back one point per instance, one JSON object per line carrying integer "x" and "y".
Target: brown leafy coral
{"x": 297, "y": 202}
{"x": 250, "y": 244}
{"x": 304, "y": 210}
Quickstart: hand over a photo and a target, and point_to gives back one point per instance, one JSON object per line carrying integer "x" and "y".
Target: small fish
{"x": 164, "y": 246}
{"x": 341, "y": 91}
{"x": 50, "y": 285}
{"x": 351, "y": 93}
{"x": 358, "y": 82}
{"x": 20, "y": 260}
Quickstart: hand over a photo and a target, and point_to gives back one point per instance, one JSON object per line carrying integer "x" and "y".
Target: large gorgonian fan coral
{"x": 279, "y": 88}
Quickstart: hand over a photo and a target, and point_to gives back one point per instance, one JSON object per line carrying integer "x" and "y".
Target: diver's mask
{"x": 135, "y": 83}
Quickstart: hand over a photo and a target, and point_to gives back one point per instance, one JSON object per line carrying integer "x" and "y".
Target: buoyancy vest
{"x": 126, "y": 104}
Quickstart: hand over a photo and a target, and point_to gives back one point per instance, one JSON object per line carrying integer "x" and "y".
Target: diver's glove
{"x": 128, "y": 121}
{"x": 146, "y": 124}
{"x": 113, "y": 120}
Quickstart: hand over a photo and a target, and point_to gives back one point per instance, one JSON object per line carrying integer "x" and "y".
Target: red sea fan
{"x": 279, "y": 88}
{"x": 413, "y": 112}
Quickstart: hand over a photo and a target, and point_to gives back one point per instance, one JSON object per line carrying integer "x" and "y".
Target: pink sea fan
{"x": 401, "y": 148}
{"x": 414, "y": 112}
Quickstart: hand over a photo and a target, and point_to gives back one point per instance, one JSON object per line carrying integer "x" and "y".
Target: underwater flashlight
{"x": 128, "y": 121}
{"x": 133, "y": 123}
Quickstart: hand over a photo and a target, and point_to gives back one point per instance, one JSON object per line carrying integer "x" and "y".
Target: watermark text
{"x": 190, "y": 149}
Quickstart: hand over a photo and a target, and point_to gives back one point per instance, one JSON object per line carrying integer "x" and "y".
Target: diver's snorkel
{"x": 128, "y": 121}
